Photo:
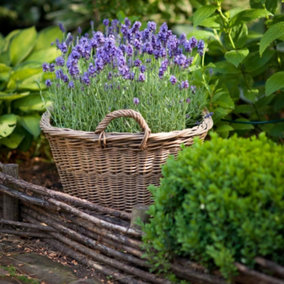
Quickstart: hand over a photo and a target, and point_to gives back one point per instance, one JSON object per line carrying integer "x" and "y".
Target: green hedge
{"x": 220, "y": 202}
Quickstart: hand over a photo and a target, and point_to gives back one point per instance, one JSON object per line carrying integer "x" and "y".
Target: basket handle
{"x": 124, "y": 113}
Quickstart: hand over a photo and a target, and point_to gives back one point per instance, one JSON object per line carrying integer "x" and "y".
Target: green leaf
{"x": 44, "y": 55}
{"x": 224, "y": 128}
{"x": 236, "y": 56}
{"x": 242, "y": 126}
{"x": 226, "y": 68}
{"x": 47, "y": 36}
{"x": 223, "y": 99}
{"x": 12, "y": 96}
{"x": 13, "y": 140}
{"x": 248, "y": 15}
{"x": 254, "y": 62}
{"x": 274, "y": 83}
{"x": 31, "y": 103}
{"x": 9, "y": 37}
{"x": 33, "y": 83}
{"x": 31, "y": 124}
{"x": 201, "y": 34}
{"x": 21, "y": 45}
{"x": 7, "y": 124}
{"x": 22, "y": 74}
{"x": 4, "y": 72}
{"x": 211, "y": 22}
{"x": 276, "y": 31}
{"x": 220, "y": 113}
{"x": 202, "y": 14}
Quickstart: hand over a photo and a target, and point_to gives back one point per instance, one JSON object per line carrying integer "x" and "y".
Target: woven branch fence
{"x": 102, "y": 238}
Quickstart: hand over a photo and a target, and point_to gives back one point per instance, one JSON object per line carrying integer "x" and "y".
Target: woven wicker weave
{"x": 115, "y": 169}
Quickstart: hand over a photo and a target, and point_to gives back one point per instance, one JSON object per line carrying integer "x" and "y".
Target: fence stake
{"x": 10, "y": 204}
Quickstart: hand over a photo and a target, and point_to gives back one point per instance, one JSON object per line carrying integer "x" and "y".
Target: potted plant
{"x": 144, "y": 76}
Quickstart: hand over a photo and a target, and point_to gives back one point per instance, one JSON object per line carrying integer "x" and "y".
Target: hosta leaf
{"x": 33, "y": 83}
{"x": 236, "y": 56}
{"x": 274, "y": 83}
{"x": 44, "y": 55}
{"x": 7, "y": 124}
{"x": 31, "y": 124}
{"x": 202, "y": 14}
{"x": 21, "y": 45}
{"x": 13, "y": 140}
{"x": 12, "y": 96}
{"x": 31, "y": 103}
{"x": 248, "y": 15}
{"x": 276, "y": 31}
{"x": 47, "y": 36}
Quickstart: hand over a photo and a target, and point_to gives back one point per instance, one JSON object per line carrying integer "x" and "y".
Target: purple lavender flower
{"x": 61, "y": 27}
{"x": 142, "y": 68}
{"x": 59, "y": 61}
{"x": 129, "y": 50}
{"x": 208, "y": 114}
{"x": 48, "y": 83}
{"x": 193, "y": 89}
{"x": 99, "y": 64}
{"x": 180, "y": 60}
{"x": 164, "y": 65}
{"x": 188, "y": 100}
{"x": 137, "y": 62}
{"x": 91, "y": 69}
{"x": 71, "y": 84}
{"x": 200, "y": 47}
{"x": 182, "y": 38}
{"x": 109, "y": 76}
{"x": 127, "y": 22}
{"x": 85, "y": 79}
{"x": 141, "y": 77}
{"x": 69, "y": 39}
{"x": 187, "y": 46}
{"x": 131, "y": 76}
{"x": 79, "y": 30}
{"x": 59, "y": 73}
{"x": 106, "y": 22}
{"x": 45, "y": 67}
{"x": 184, "y": 84}
{"x": 151, "y": 26}
{"x": 136, "y": 26}
{"x": 161, "y": 73}
{"x": 65, "y": 78}
{"x": 193, "y": 42}
{"x": 173, "y": 80}
{"x": 51, "y": 67}
{"x": 188, "y": 62}
{"x": 137, "y": 44}
{"x": 136, "y": 101}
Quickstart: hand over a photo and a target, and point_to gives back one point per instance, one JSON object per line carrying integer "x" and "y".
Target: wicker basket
{"x": 115, "y": 169}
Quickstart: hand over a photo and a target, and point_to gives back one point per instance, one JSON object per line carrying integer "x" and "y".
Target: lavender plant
{"x": 146, "y": 70}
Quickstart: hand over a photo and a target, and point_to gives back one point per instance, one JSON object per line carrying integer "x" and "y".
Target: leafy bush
{"x": 220, "y": 202}
{"x": 22, "y": 53}
{"x": 246, "y": 61}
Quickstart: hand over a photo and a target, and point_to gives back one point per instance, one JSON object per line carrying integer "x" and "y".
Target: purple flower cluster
{"x": 125, "y": 51}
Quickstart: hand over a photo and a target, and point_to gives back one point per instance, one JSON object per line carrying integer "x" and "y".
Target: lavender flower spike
{"x": 184, "y": 84}
{"x": 61, "y": 27}
{"x": 106, "y": 22}
{"x": 136, "y": 101}
{"x": 45, "y": 67}
{"x": 173, "y": 80}
{"x": 48, "y": 83}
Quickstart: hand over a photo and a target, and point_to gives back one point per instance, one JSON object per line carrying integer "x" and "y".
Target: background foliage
{"x": 219, "y": 202}
{"x": 22, "y": 53}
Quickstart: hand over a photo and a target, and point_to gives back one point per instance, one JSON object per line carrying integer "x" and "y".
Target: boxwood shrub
{"x": 218, "y": 203}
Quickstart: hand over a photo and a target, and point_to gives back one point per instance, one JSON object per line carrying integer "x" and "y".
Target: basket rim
{"x": 47, "y": 128}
